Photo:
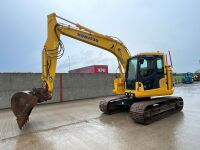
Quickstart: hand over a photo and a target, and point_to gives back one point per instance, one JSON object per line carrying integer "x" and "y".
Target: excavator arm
{"x": 51, "y": 53}
{"x": 22, "y": 103}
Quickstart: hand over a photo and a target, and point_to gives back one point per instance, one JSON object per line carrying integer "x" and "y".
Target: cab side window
{"x": 143, "y": 67}
{"x": 160, "y": 68}
{"x": 146, "y": 67}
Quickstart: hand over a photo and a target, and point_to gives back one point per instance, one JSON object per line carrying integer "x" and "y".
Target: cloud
{"x": 143, "y": 25}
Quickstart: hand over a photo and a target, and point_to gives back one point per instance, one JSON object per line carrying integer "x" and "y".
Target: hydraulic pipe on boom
{"x": 81, "y": 33}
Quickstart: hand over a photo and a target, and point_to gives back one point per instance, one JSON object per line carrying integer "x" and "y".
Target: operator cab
{"x": 146, "y": 70}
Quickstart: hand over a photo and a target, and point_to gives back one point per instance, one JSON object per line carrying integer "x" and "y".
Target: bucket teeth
{"x": 22, "y": 121}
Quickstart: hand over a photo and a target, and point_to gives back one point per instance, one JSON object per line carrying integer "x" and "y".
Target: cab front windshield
{"x": 132, "y": 69}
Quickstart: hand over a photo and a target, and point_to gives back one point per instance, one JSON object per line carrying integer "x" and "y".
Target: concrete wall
{"x": 75, "y": 86}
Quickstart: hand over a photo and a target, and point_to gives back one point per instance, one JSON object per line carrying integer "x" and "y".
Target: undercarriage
{"x": 145, "y": 110}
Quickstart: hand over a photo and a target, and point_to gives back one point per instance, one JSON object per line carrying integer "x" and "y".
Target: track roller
{"x": 148, "y": 111}
{"x": 118, "y": 104}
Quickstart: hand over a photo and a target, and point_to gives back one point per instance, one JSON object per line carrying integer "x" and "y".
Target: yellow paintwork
{"x": 165, "y": 84}
{"x": 116, "y": 47}
{"x": 150, "y": 53}
{"x": 140, "y": 92}
{"x": 119, "y": 86}
{"x": 49, "y": 55}
{"x": 83, "y": 34}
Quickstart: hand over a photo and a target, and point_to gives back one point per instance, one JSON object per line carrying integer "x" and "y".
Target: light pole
{"x": 69, "y": 63}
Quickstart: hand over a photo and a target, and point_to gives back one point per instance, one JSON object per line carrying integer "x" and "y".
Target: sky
{"x": 142, "y": 25}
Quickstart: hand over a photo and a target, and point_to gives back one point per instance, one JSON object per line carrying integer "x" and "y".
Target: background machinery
{"x": 187, "y": 78}
{"x": 142, "y": 77}
{"x": 196, "y": 76}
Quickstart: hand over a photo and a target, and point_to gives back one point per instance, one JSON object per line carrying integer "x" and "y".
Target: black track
{"x": 143, "y": 111}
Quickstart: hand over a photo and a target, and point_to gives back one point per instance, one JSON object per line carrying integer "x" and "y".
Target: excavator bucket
{"x": 22, "y": 104}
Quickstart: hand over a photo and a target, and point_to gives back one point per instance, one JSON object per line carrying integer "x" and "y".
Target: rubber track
{"x": 104, "y": 104}
{"x": 138, "y": 109}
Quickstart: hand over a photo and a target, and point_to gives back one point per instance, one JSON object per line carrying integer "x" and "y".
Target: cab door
{"x": 150, "y": 71}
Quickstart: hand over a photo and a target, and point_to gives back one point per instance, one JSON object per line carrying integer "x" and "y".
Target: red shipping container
{"x": 99, "y": 69}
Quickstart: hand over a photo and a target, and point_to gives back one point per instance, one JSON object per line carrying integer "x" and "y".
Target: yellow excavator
{"x": 143, "y": 86}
